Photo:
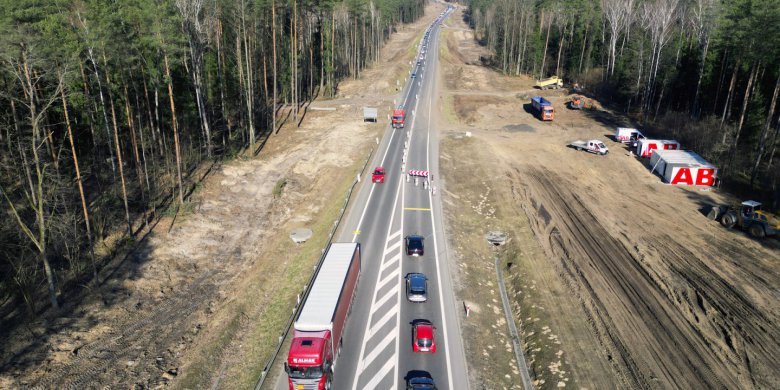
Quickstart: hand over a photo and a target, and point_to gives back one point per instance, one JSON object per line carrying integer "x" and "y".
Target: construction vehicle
{"x": 748, "y": 216}
{"x": 544, "y": 109}
{"x": 551, "y": 82}
{"x": 576, "y": 103}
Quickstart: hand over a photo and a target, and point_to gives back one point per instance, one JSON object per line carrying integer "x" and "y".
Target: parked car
{"x": 416, "y": 287}
{"x": 422, "y": 337}
{"x": 415, "y": 245}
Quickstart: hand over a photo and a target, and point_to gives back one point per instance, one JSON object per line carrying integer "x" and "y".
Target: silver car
{"x": 416, "y": 287}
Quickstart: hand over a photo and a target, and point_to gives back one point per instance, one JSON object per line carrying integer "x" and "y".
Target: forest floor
{"x": 617, "y": 279}
{"x": 202, "y": 299}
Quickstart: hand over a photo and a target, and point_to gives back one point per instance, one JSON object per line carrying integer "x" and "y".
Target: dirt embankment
{"x": 619, "y": 280}
{"x": 201, "y": 301}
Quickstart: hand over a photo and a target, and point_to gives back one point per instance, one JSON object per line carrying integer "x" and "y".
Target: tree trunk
{"x": 745, "y": 103}
{"x": 560, "y": 51}
{"x": 175, "y": 128}
{"x": 696, "y": 104}
{"x": 39, "y": 206}
{"x": 80, "y": 185}
{"x": 273, "y": 39}
{"x": 120, "y": 163}
{"x": 544, "y": 54}
{"x": 249, "y": 81}
{"x": 103, "y": 106}
{"x": 730, "y": 95}
{"x": 582, "y": 52}
{"x": 765, "y": 133}
{"x": 136, "y": 155}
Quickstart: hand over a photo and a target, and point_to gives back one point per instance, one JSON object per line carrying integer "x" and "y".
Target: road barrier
{"x": 306, "y": 289}
{"x": 510, "y": 320}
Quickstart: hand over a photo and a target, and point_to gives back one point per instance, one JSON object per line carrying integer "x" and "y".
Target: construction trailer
{"x": 683, "y": 167}
{"x": 645, "y": 147}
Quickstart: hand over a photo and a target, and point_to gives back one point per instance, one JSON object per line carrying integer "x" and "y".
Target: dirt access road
{"x": 618, "y": 280}
{"x": 202, "y": 300}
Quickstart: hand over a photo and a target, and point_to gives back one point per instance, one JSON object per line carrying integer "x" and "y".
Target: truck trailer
{"x": 320, "y": 324}
{"x": 544, "y": 109}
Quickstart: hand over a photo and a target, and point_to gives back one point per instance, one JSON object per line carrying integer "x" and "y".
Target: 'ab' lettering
{"x": 705, "y": 177}
{"x": 683, "y": 176}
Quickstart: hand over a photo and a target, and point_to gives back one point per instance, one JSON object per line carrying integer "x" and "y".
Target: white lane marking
{"x": 394, "y": 235}
{"x": 356, "y": 377}
{"x": 377, "y": 350}
{"x": 392, "y": 247}
{"x": 382, "y": 321}
{"x": 390, "y": 262}
{"x": 379, "y": 376}
{"x": 436, "y": 249}
{"x": 381, "y": 302}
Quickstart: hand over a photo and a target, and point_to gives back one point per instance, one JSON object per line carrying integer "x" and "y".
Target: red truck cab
{"x": 307, "y": 364}
{"x": 378, "y": 176}
{"x": 399, "y": 115}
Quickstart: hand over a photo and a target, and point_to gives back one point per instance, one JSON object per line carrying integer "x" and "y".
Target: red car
{"x": 422, "y": 337}
{"x": 378, "y": 176}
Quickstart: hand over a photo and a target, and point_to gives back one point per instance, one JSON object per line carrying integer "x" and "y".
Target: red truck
{"x": 320, "y": 324}
{"x": 399, "y": 114}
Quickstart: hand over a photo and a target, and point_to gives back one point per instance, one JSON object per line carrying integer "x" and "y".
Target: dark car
{"x": 633, "y": 142}
{"x": 416, "y": 287}
{"x": 414, "y": 74}
{"x": 414, "y": 245}
{"x": 419, "y": 383}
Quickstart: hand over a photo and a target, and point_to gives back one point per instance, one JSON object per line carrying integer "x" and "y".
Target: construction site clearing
{"x": 620, "y": 279}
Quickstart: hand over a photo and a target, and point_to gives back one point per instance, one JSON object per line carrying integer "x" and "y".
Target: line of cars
{"x": 423, "y": 331}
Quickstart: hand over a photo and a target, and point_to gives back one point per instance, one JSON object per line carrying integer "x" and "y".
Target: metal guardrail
{"x": 307, "y": 289}
{"x": 510, "y": 320}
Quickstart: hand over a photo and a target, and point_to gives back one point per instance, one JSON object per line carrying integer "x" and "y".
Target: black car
{"x": 419, "y": 383}
{"x": 414, "y": 245}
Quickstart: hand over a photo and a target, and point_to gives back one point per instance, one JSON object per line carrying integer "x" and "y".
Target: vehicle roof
{"x": 421, "y": 380}
{"x": 417, "y": 280}
{"x": 320, "y": 306}
{"x": 379, "y": 169}
{"x": 751, "y": 203}
{"x": 424, "y": 330}
{"x": 308, "y": 348}
{"x": 415, "y": 237}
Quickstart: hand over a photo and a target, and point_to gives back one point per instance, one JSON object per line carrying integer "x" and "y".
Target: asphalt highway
{"x": 377, "y": 347}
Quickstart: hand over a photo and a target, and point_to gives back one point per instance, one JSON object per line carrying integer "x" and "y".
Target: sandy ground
{"x": 619, "y": 279}
{"x": 202, "y": 299}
